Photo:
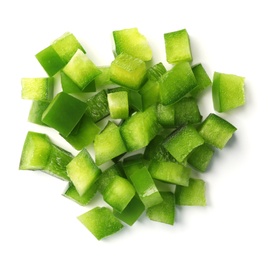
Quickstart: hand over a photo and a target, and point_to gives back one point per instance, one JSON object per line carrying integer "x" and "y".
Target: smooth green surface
{"x": 165, "y": 211}
{"x": 181, "y": 142}
{"x": 36, "y": 111}
{"x": 228, "y": 91}
{"x": 193, "y": 195}
{"x": 132, "y": 42}
{"x": 82, "y": 171}
{"x": 177, "y": 46}
{"x": 64, "y": 113}
{"x": 118, "y": 105}
{"x": 101, "y": 222}
{"x": 128, "y": 71}
{"x": 216, "y": 131}
{"x": 40, "y": 89}
{"x": 176, "y": 83}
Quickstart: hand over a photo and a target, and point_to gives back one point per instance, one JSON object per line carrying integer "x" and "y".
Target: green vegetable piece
{"x": 170, "y": 172}
{"x": 202, "y": 78}
{"x": 150, "y": 93}
{"x": 72, "y": 194}
{"x": 107, "y": 176}
{"x": 132, "y": 42}
{"x": 228, "y": 91}
{"x": 156, "y": 71}
{"x": 177, "y": 46}
{"x": 131, "y": 212}
{"x": 118, "y": 193}
{"x": 104, "y": 78}
{"x": 50, "y": 60}
{"x": 37, "y": 109}
{"x": 132, "y": 164}
{"x": 201, "y": 157}
{"x": 81, "y": 70}
{"x": 37, "y": 88}
{"x": 128, "y": 71}
{"x": 108, "y": 144}
{"x": 118, "y": 105}
{"x": 101, "y": 222}
{"x": 39, "y": 153}
{"x": 165, "y": 211}
{"x": 139, "y": 129}
{"x": 66, "y": 46}
{"x": 98, "y": 107}
{"x": 82, "y": 171}
{"x": 166, "y": 115}
{"x": 193, "y": 195}
{"x": 64, "y": 113}
{"x": 156, "y": 151}
{"x": 187, "y": 112}
{"x": 176, "y": 83}
{"x": 83, "y": 134}
{"x": 146, "y": 187}
{"x": 181, "y": 142}
{"x": 216, "y": 131}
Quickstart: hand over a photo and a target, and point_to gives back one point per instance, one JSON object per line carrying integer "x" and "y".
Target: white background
{"x": 37, "y": 222}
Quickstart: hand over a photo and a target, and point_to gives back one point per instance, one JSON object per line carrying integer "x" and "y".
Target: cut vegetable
{"x": 36, "y": 111}
{"x": 101, "y": 222}
{"x": 118, "y": 105}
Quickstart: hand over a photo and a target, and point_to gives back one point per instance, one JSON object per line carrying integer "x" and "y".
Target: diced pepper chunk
{"x": 165, "y": 211}
{"x": 82, "y": 171}
{"x": 64, "y": 113}
{"x": 132, "y": 42}
{"x": 36, "y": 111}
{"x": 228, "y": 91}
{"x": 177, "y": 46}
{"x": 181, "y": 142}
{"x": 101, "y": 222}
{"x": 192, "y": 195}
{"x": 216, "y": 131}
{"x": 40, "y": 89}
{"x": 118, "y": 105}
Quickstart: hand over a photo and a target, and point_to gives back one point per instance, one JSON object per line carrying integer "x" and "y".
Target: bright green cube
{"x": 228, "y": 91}
{"x": 216, "y": 131}
{"x": 40, "y": 89}
{"x": 81, "y": 70}
{"x": 101, "y": 222}
{"x": 177, "y": 46}
{"x": 82, "y": 171}
{"x": 118, "y": 105}
{"x": 128, "y": 71}
{"x": 36, "y": 111}
{"x": 192, "y": 195}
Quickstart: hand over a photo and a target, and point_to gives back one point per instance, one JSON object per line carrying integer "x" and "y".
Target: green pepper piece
{"x": 64, "y": 113}
{"x": 36, "y": 111}
{"x": 101, "y": 222}
{"x": 118, "y": 105}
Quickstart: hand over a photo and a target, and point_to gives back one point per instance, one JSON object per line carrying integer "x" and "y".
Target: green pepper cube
{"x": 104, "y": 78}
{"x": 165, "y": 211}
{"x": 72, "y": 194}
{"x": 82, "y": 171}
{"x": 50, "y": 60}
{"x": 181, "y": 142}
{"x": 101, "y": 222}
{"x": 216, "y": 131}
{"x": 139, "y": 129}
{"x": 81, "y": 70}
{"x": 37, "y": 109}
{"x": 149, "y": 93}
{"x": 201, "y": 157}
{"x": 98, "y": 107}
{"x": 66, "y": 46}
{"x": 83, "y": 134}
{"x": 64, "y": 113}
{"x": 202, "y": 78}
{"x": 156, "y": 71}
{"x": 228, "y": 91}
{"x": 132, "y": 164}
{"x": 37, "y": 88}
{"x": 170, "y": 172}
{"x": 177, "y": 46}
{"x": 192, "y": 195}
{"x": 131, "y": 212}
{"x": 176, "y": 83}
{"x": 118, "y": 105}
{"x": 166, "y": 115}
{"x": 118, "y": 193}
{"x": 108, "y": 144}
{"x": 128, "y": 71}
{"x": 132, "y": 42}
{"x": 146, "y": 187}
